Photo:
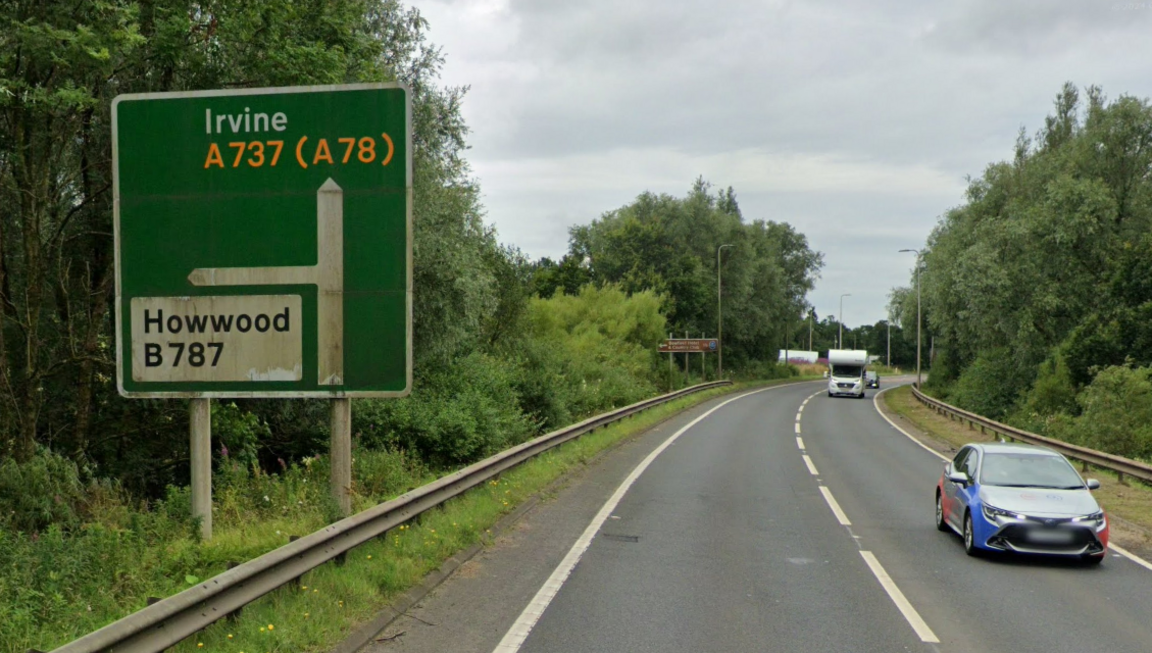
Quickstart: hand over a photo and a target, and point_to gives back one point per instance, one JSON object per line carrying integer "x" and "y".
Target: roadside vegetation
{"x": 94, "y": 508}
{"x": 1037, "y": 291}
{"x": 58, "y": 586}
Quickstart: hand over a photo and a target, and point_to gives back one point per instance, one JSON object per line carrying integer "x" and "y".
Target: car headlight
{"x": 1096, "y": 520}
{"x": 992, "y": 513}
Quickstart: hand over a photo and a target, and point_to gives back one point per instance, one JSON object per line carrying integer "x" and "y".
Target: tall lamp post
{"x": 809, "y": 328}
{"x": 917, "y": 275}
{"x": 841, "y": 320}
{"x": 719, "y": 317}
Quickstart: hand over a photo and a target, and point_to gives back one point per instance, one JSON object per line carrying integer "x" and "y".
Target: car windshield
{"x": 1017, "y": 469}
{"x": 846, "y": 370}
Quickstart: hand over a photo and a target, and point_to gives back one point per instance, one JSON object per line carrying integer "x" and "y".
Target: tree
{"x": 668, "y": 245}
{"x": 1028, "y": 263}
{"x": 61, "y": 64}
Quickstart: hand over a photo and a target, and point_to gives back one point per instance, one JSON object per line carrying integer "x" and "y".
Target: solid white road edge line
{"x": 800, "y": 443}
{"x": 922, "y": 630}
{"x": 831, "y": 500}
{"x": 1131, "y": 556}
{"x": 811, "y": 467}
{"x": 519, "y": 631}
{"x": 876, "y": 402}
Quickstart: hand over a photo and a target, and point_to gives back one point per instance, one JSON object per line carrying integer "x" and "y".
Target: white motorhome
{"x": 846, "y": 372}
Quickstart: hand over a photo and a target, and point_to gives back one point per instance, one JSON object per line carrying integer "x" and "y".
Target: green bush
{"x": 1052, "y": 394}
{"x": 992, "y": 384}
{"x": 1116, "y": 413}
{"x": 602, "y": 345}
{"x": 45, "y": 490}
{"x": 456, "y": 416}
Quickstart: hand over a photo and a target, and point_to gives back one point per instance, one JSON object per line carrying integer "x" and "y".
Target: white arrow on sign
{"x": 327, "y": 275}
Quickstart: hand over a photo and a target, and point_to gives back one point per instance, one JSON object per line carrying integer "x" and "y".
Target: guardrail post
{"x": 1120, "y": 477}
{"x": 152, "y": 600}
{"x": 235, "y": 614}
{"x": 295, "y": 581}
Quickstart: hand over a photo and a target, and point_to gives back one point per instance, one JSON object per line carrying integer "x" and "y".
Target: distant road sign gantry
{"x": 264, "y": 242}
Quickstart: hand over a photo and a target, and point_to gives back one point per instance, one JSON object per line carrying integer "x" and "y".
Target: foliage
{"x": 1053, "y": 393}
{"x": 463, "y": 412}
{"x": 41, "y": 491}
{"x": 1041, "y": 278}
{"x": 603, "y": 345}
{"x": 669, "y": 245}
{"x": 1116, "y": 413}
{"x": 991, "y": 385}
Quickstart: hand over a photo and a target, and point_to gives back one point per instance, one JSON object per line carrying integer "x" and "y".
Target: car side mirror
{"x": 1093, "y": 484}
{"x": 958, "y": 478}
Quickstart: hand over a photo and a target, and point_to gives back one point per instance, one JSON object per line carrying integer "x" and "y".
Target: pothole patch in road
{"x": 632, "y": 539}
{"x": 801, "y": 561}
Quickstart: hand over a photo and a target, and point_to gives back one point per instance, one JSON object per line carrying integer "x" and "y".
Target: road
{"x": 730, "y": 540}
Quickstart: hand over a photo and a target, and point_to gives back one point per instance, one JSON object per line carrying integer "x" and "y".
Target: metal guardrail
{"x": 167, "y": 622}
{"x": 1118, "y": 464}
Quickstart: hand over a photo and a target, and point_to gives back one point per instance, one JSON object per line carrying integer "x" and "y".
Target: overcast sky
{"x": 856, "y": 122}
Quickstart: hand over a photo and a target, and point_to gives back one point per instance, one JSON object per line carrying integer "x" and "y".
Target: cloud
{"x": 749, "y": 170}
{"x": 855, "y": 122}
{"x": 1035, "y": 27}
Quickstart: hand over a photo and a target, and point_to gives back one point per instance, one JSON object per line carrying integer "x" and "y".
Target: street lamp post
{"x": 841, "y": 320}
{"x": 917, "y": 276}
{"x": 809, "y": 329}
{"x": 719, "y": 317}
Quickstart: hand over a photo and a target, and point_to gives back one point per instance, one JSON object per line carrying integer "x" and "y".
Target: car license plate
{"x": 1047, "y": 536}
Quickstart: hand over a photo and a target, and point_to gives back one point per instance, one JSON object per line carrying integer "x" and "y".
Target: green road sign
{"x": 264, "y": 242}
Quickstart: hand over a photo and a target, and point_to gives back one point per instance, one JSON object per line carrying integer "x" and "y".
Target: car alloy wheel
{"x": 969, "y": 537}
{"x": 941, "y": 525}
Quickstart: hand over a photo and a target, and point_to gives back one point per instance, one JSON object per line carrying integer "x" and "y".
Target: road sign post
{"x": 200, "y": 436}
{"x": 264, "y": 248}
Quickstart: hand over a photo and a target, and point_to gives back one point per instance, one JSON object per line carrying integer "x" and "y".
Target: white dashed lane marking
{"x": 811, "y": 467}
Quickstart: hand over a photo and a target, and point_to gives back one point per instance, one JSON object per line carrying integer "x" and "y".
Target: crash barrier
{"x": 167, "y": 622}
{"x": 1122, "y": 466}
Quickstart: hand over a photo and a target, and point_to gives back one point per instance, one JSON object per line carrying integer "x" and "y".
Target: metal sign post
{"x": 264, "y": 249}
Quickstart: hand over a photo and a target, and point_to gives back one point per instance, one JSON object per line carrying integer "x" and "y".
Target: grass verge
{"x": 333, "y": 600}
{"x": 1130, "y": 501}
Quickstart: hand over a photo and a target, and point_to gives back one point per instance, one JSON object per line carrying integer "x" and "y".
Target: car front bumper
{"x": 845, "y": 389}
{"x": 1056, "y": 537}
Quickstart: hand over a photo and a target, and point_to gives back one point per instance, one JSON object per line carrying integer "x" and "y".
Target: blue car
{"x": 1021, "y": 499}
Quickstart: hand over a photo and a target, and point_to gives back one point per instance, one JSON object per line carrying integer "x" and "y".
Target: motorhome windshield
{"x": 847, "y": 370}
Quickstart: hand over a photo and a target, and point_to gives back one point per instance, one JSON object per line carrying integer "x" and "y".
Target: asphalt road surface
{"x": 779, "y": 521}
